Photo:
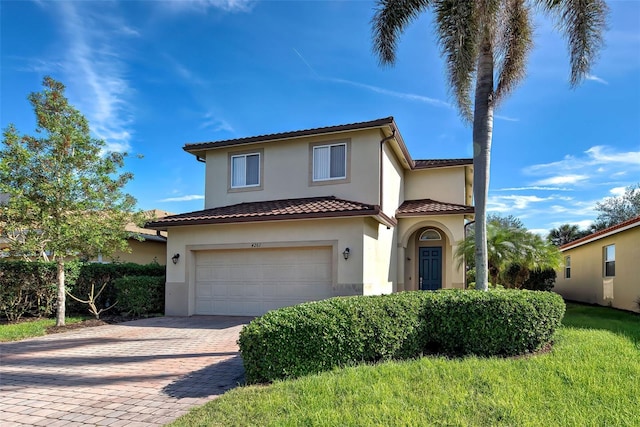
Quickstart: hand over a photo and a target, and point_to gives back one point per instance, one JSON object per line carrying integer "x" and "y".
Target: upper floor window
{"x": 245, "y": 170}
{"x": 610, "y": 261}
{"x": 330, "y": 162}
{"x": 567, "y": 267}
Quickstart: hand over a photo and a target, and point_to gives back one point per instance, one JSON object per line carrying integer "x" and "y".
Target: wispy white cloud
{"x": 597, "y": 79}
{"x": 186, "y": 198}
{"x": 506, "y": 118}
{"x": 562, "y": 179}
{"x": 215, "y": 123}
{"x": 513, "y": 202}
{"x": 599, "y": 164}
{"x": 187, "y": 75}
{"x": 96, "y": 74}
{"x": 204, "y": 5}
{"x": 376, "y": 89}
{"x": 617, "y": 191}
{"x": 533, "y": 187}
{"x": 313, "y": 71}
{"x": 403, "y": 95}
{"x": 604, "y": 154}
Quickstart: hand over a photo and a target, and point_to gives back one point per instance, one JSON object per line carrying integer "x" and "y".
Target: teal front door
{"x": 430, "y": 267}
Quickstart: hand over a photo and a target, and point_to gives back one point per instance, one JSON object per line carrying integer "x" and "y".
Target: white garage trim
{"x": 249, "y": 281}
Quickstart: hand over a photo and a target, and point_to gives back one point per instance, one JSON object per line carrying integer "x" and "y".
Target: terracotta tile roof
{"x": 273, "y": 210}
{"x": 194, "y": 147}
{"x": 633, "y": 222}
{"x": 440, "y": 163}
{"x": 431, "y": 207}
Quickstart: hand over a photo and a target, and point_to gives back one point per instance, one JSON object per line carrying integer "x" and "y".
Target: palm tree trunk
{"x": 61, "y": 294}
{"x": 482, "y": 134}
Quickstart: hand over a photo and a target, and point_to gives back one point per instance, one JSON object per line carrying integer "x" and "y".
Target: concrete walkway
{"x": 141, "y": 373}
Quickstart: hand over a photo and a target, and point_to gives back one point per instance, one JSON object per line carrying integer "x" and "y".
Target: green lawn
{"x": 31, "y": 328}
{"x": 590, "y": 378}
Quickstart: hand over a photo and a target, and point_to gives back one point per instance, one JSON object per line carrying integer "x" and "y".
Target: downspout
{"x": 200, "y": 159}
{"x": 385, "y": 139}
{"x": 464, "y": 279}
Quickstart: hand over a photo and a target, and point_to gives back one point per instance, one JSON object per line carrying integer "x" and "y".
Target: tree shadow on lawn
{"x": 620, "y": 322}
{"x": 213, "y": 380}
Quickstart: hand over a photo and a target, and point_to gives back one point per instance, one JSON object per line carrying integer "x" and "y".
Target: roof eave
{"x": 634, "y": 222}
{"x": 418, "y": 214}
{"x": 373, "y": 213}
{"x": 198, "y": 148}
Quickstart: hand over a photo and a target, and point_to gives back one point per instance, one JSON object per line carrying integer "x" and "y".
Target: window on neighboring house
{"x": 245, "y": 170}
{"x": 567, "y": 267}
{"x": 610, "y": 261}
{"x": 330, "y": 162}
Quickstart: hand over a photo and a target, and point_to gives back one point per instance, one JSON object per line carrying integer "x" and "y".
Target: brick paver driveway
{"x": 146, "y": 372}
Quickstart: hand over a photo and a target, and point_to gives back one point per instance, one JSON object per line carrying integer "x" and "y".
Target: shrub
{"x": 540, "y": 280}
{"x": 319, "y": 336}
{"x": 140, "y": 295}
{"x": 98, "y": 274}
{"x": 30, "y": 288}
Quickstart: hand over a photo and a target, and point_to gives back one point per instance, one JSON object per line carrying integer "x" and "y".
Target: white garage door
{"x": 252, "y": 282}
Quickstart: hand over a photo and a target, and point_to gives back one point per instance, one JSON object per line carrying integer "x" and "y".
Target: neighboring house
{"x": 604, "y": 267}
{"x": 146, "y": 245}
{"x": 312, "y": 214}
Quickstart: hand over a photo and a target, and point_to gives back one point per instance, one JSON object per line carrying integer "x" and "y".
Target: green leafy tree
{"x": 64, "y": 191}
{"x": 509, "y": 244}
{"x": 485, "y": 44}
{"x": 614, "y": 210}
{"x": 565, "y": 233}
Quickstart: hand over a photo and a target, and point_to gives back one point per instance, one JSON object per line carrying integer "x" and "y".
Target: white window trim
{"x": 567, "y": 267}
{"x": 423, "y": 237}
{"x": 313, "y": 162}
{"x": 245, "y": 155}
{"x": 607, "y": 260}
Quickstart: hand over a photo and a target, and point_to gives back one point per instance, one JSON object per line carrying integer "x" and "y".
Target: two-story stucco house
{"x": 306, "y": 215}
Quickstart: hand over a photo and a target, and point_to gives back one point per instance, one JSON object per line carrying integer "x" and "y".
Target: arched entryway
{"x": 428, "y": 259}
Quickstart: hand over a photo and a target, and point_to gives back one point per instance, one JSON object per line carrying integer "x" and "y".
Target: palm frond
{"x": 458, "y": 30}
{"x": 513, "y": 45}
{"x": 389, "y": 21}
{"x": 582, "y": 22}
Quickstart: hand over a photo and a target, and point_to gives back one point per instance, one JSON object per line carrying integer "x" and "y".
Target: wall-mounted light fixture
{"x": 346, "y": 253}
{"x": 175, "y": 258}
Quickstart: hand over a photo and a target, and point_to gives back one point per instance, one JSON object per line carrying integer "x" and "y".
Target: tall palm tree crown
{"x": 486, "y": 43}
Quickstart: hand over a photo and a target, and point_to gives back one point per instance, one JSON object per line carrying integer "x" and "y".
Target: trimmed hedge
{"x": 100, "y": 274}
{"x": 30, "y": 288}
{"x": 318, "y": 336}
{"x": 140, "y": 295}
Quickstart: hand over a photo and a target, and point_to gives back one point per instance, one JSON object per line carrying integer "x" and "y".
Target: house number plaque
{"x": 256, "y": 245}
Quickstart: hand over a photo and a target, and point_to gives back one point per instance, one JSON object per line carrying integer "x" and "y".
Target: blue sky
{"x": 152, "y": 76}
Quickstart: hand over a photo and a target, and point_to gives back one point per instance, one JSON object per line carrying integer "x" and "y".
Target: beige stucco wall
{"x": 144, "y": 252}
{"x": 379, "y": 269}
{"x": 587, "y": 282}
{"x": 452, "y": 231}
{"x": 441, "y": 184}
{"x": 393, "y": 182}
{"x": 286, "y": 171}
{"x": 351, "y": 276}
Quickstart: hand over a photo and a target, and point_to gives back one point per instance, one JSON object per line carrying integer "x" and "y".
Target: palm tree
{"x": 564, "y": 234}
{"x": 510, "y": 248}
{"x": 488, "y": 41}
